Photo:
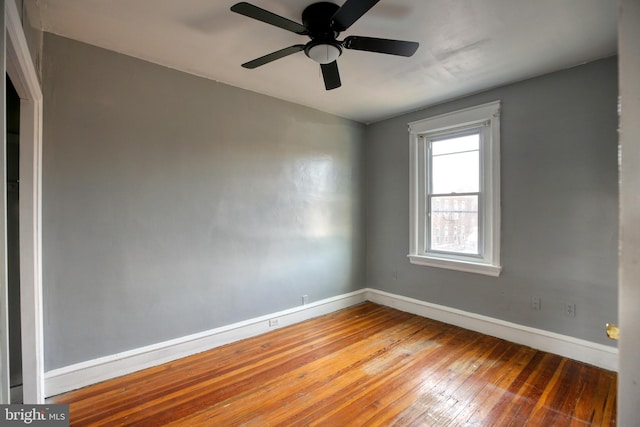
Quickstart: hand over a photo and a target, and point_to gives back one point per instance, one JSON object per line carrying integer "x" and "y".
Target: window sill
{"x": 466, "y": 266}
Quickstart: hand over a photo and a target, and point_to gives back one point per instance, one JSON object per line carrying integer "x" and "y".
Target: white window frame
{"x": 488, "y": 263}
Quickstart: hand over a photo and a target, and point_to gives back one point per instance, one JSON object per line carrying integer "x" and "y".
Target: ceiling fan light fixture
{"x": 324, "y": 53}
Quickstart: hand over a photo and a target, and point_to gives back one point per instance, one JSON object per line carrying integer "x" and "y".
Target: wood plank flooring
{"x": 367, "y": 365}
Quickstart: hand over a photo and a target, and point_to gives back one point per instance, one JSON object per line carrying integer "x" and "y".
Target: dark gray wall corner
{"x": 173, "y": 204}
{"x": 559, "y": 206}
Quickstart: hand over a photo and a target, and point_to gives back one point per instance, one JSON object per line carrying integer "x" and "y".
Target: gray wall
{"x": 559, "y": 206}
{"x": 173, "y": 204}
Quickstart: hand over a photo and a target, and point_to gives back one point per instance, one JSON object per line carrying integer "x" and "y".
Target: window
{"x": 455, "y": 187}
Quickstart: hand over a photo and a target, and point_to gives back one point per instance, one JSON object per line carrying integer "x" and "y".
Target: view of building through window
{"x": 453, "y": 199}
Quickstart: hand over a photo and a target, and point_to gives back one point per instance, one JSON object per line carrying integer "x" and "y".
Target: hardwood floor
{"x": 365, "y": 365}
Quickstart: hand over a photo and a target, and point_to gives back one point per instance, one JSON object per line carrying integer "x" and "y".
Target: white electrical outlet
{"x": 305, "y": 299}
{"x": 273, "y": 322}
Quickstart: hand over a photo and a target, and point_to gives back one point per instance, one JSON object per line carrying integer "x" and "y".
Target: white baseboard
{"x": 93, "y": 371}
{"x": 600, "y": 355}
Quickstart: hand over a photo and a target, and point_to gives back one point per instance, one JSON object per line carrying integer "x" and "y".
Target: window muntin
{"x": 455, "y": 193}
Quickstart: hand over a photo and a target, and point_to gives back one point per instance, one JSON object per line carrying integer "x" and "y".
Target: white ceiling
{"x": 466, "y": 46}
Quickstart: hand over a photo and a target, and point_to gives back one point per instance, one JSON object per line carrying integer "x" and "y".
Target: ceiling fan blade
{"x": 350, "y": 12}
{"x": 246, "y": 9}
{"x": 331, "y": 75}
{"x": 273, "y": 56}
{"x": 372, "y": 44}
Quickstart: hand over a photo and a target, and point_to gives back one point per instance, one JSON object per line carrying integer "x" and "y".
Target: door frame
{"x": 24, "y": 77}
{"x": 629, "y": 236}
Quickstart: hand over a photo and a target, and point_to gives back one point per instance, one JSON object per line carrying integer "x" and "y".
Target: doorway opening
{"x": 13, "y": 239}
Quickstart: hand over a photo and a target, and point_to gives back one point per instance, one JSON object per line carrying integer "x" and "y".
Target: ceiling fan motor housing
{"x": 323, "y": 47}
{"x": 317, "y": 19}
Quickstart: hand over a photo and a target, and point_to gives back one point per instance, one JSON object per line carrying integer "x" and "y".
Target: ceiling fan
{"x": 323, "y": 22}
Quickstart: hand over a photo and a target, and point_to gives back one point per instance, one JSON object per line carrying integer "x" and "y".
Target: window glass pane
{"x": 455, "y": 165}
{"x": 456, "y": 144}
{"x": 454, "y": 224}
